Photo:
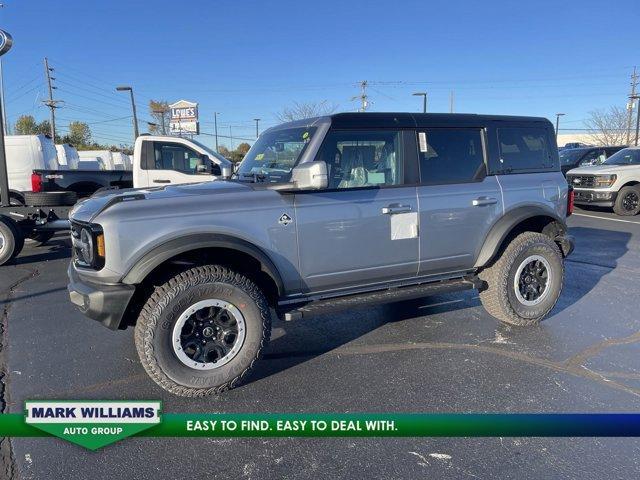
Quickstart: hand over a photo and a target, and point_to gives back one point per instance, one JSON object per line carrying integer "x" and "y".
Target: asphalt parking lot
{"x": 441, "y": 354}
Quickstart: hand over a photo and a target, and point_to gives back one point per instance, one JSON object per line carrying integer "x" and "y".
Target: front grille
{"x": 582, "y": 181}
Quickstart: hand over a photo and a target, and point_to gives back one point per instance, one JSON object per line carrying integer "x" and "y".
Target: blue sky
{"x": 248, "y": 59}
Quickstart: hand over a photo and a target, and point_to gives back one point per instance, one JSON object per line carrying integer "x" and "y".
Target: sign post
{"x": 5, "y": 45}
{"x": 184, "y": 118}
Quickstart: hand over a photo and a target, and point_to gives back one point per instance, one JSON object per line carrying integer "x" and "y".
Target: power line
{"x": 51, "y": 103}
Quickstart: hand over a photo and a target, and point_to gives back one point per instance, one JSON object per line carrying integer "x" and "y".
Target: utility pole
{"x": 424, "y": 100}
{"x": 558, "y": 115}
{"x": 363, "y": 97}
{"x": 257, "y": 130}
{"x": 50, "y": 102}
{"x": 215, "y": 127}
{"x": 634, "y": 83}
{"x": 451, "y": 101}
{"x": 231, "y": 137}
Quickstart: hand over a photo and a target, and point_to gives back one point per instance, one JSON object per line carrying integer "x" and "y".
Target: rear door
{"x": 363, "y": 229}
{"x": 458, "y": 202}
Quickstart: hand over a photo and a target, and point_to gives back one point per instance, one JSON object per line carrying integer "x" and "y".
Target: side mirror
{"x": 216, "y": 170}
{"x": 310, "y": 176}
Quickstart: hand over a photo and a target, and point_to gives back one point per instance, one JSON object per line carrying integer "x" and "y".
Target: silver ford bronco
{"x": 324, "y": 213}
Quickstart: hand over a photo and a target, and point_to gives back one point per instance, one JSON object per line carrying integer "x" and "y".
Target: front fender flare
{"x": 161, "y": 253}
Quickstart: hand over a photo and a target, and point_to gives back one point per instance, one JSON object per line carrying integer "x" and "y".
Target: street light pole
{"x": 257, "y": 130}
{"x": 558, "y": 115}
{"x": 126, "y": 88}
{"x": 424, "y": 100}
{"x": 215, "y": 126}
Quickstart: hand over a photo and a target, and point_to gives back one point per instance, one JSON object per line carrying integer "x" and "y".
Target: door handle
{"x": 479, "y": 202}
{"x": 394, "y": 209}
{"x": 161, "y": 181}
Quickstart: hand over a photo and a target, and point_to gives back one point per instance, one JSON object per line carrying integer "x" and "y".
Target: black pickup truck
{"x": 83, "y": 183}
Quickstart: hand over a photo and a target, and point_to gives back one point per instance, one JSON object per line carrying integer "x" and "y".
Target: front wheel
{"x": 627, "y": 201}
{"x": 201, "y": 332}
{"x": 525, "y": 282}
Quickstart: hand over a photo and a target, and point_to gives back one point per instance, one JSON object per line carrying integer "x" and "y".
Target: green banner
{"x": 102, "y": 429}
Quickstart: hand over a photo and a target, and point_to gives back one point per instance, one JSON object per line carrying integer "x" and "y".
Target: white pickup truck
{"x": 162, "y": 160}
{"x": 614, "y": 183}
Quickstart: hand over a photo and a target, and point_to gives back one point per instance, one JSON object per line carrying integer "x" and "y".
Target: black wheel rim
{"x": 532, "y": 279}
{"x": 630, "y": 201}
{"x": 208, "y": 334}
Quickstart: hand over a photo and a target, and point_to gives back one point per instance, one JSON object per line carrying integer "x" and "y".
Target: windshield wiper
{"x": 254, "y": 177}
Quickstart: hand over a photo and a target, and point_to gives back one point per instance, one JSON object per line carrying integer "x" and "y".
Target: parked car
{"x": 331, "y": 212}
{"x": 163, "y": 160}
{"x": 574, "y": 145}
{"x": 571, "y": 158}
{"x": 67, "y": 157}
{"x": 615, "y": 183}
{"x": 24, "y": 153}
{"x": 103, "y": 156}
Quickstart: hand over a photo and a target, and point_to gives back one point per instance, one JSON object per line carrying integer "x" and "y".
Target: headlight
{"x": 88, "y": 245}
{"x": 604, "y": 180}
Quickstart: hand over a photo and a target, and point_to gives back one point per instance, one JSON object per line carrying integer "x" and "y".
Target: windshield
{"x": 210, "y": 152}
{"x": 627, "y": 156}
{"x": 275, "y": 153}
{"x": 570, "y": 156}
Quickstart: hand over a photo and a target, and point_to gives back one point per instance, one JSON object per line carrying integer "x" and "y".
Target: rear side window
{"x": 524, "y": 149}
{"x": 450, "y": 155}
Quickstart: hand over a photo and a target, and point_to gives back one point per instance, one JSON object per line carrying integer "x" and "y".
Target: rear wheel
{"x": 628, "y": 201}
{"x": 524, "y": 284}
{"x": 11, "y": 240}
{"x": 201, "y": 332}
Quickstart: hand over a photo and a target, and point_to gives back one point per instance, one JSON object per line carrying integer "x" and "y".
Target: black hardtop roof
{"x": 406, "y": 120}
{"x": 403, "y": 119}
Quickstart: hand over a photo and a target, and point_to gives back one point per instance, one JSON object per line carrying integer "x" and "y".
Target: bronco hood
{"x": 86, "y": 210}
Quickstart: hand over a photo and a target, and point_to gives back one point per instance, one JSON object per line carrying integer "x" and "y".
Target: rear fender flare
{"x": 506, "y": 224}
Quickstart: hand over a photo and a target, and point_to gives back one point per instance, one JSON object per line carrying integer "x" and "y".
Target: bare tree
{"x": 298, "y": 111}
{"x": 607, "y": 127}
{"x": 159, "y": 111}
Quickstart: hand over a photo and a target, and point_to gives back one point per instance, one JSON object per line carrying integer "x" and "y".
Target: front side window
{"x": 627, "y": 156}
{"x": 275, "y": 153}
{"x": 524, "y": 149}
{"x": 450, "y": 155}
{"x": 362, "y": 158}
{"x": 173, "y": 156}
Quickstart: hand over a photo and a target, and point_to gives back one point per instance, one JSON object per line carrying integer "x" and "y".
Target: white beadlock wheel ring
{"x": 177, "y": 334}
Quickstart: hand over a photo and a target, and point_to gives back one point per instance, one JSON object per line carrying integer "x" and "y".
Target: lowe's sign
{"x": 184, "y": 118}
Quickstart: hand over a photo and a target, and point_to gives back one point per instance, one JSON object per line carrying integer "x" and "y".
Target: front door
{"x": 458, "y": 202}
{"x": 174, "y": 163}
{"x": 363, "y": 229}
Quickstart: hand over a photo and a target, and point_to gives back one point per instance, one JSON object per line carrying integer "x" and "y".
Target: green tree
{"x": 238, "y": 154}
{"x": 224, "y": 151}
{"x": 159, "y": 111}
{"x": 26, "y": 125}
{"x": 43, "y": 128}
{"x": 79, "y": 134}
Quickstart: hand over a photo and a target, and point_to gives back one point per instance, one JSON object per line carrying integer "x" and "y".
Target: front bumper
{"x": 597, "y": 198}
{"x": 106, "y": 304}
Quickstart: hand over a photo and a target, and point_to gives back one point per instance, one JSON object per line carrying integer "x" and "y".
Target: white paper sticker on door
{"x": 422, "y": 139}
{"x": 404, "y": 225}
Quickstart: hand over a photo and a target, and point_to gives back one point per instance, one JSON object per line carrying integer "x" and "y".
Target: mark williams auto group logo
{"x": 92, "y": 424}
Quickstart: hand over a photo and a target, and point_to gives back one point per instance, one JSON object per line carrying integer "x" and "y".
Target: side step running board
{"x": 380, "y": 297}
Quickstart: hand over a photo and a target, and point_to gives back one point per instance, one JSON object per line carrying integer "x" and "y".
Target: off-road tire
{"x": 13, "y": 240}
{"x": 619, "y": 206}
{"x": 162, "y": 310}
{"x": 499, "y": 298}
{"x": 50, "y": 199}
